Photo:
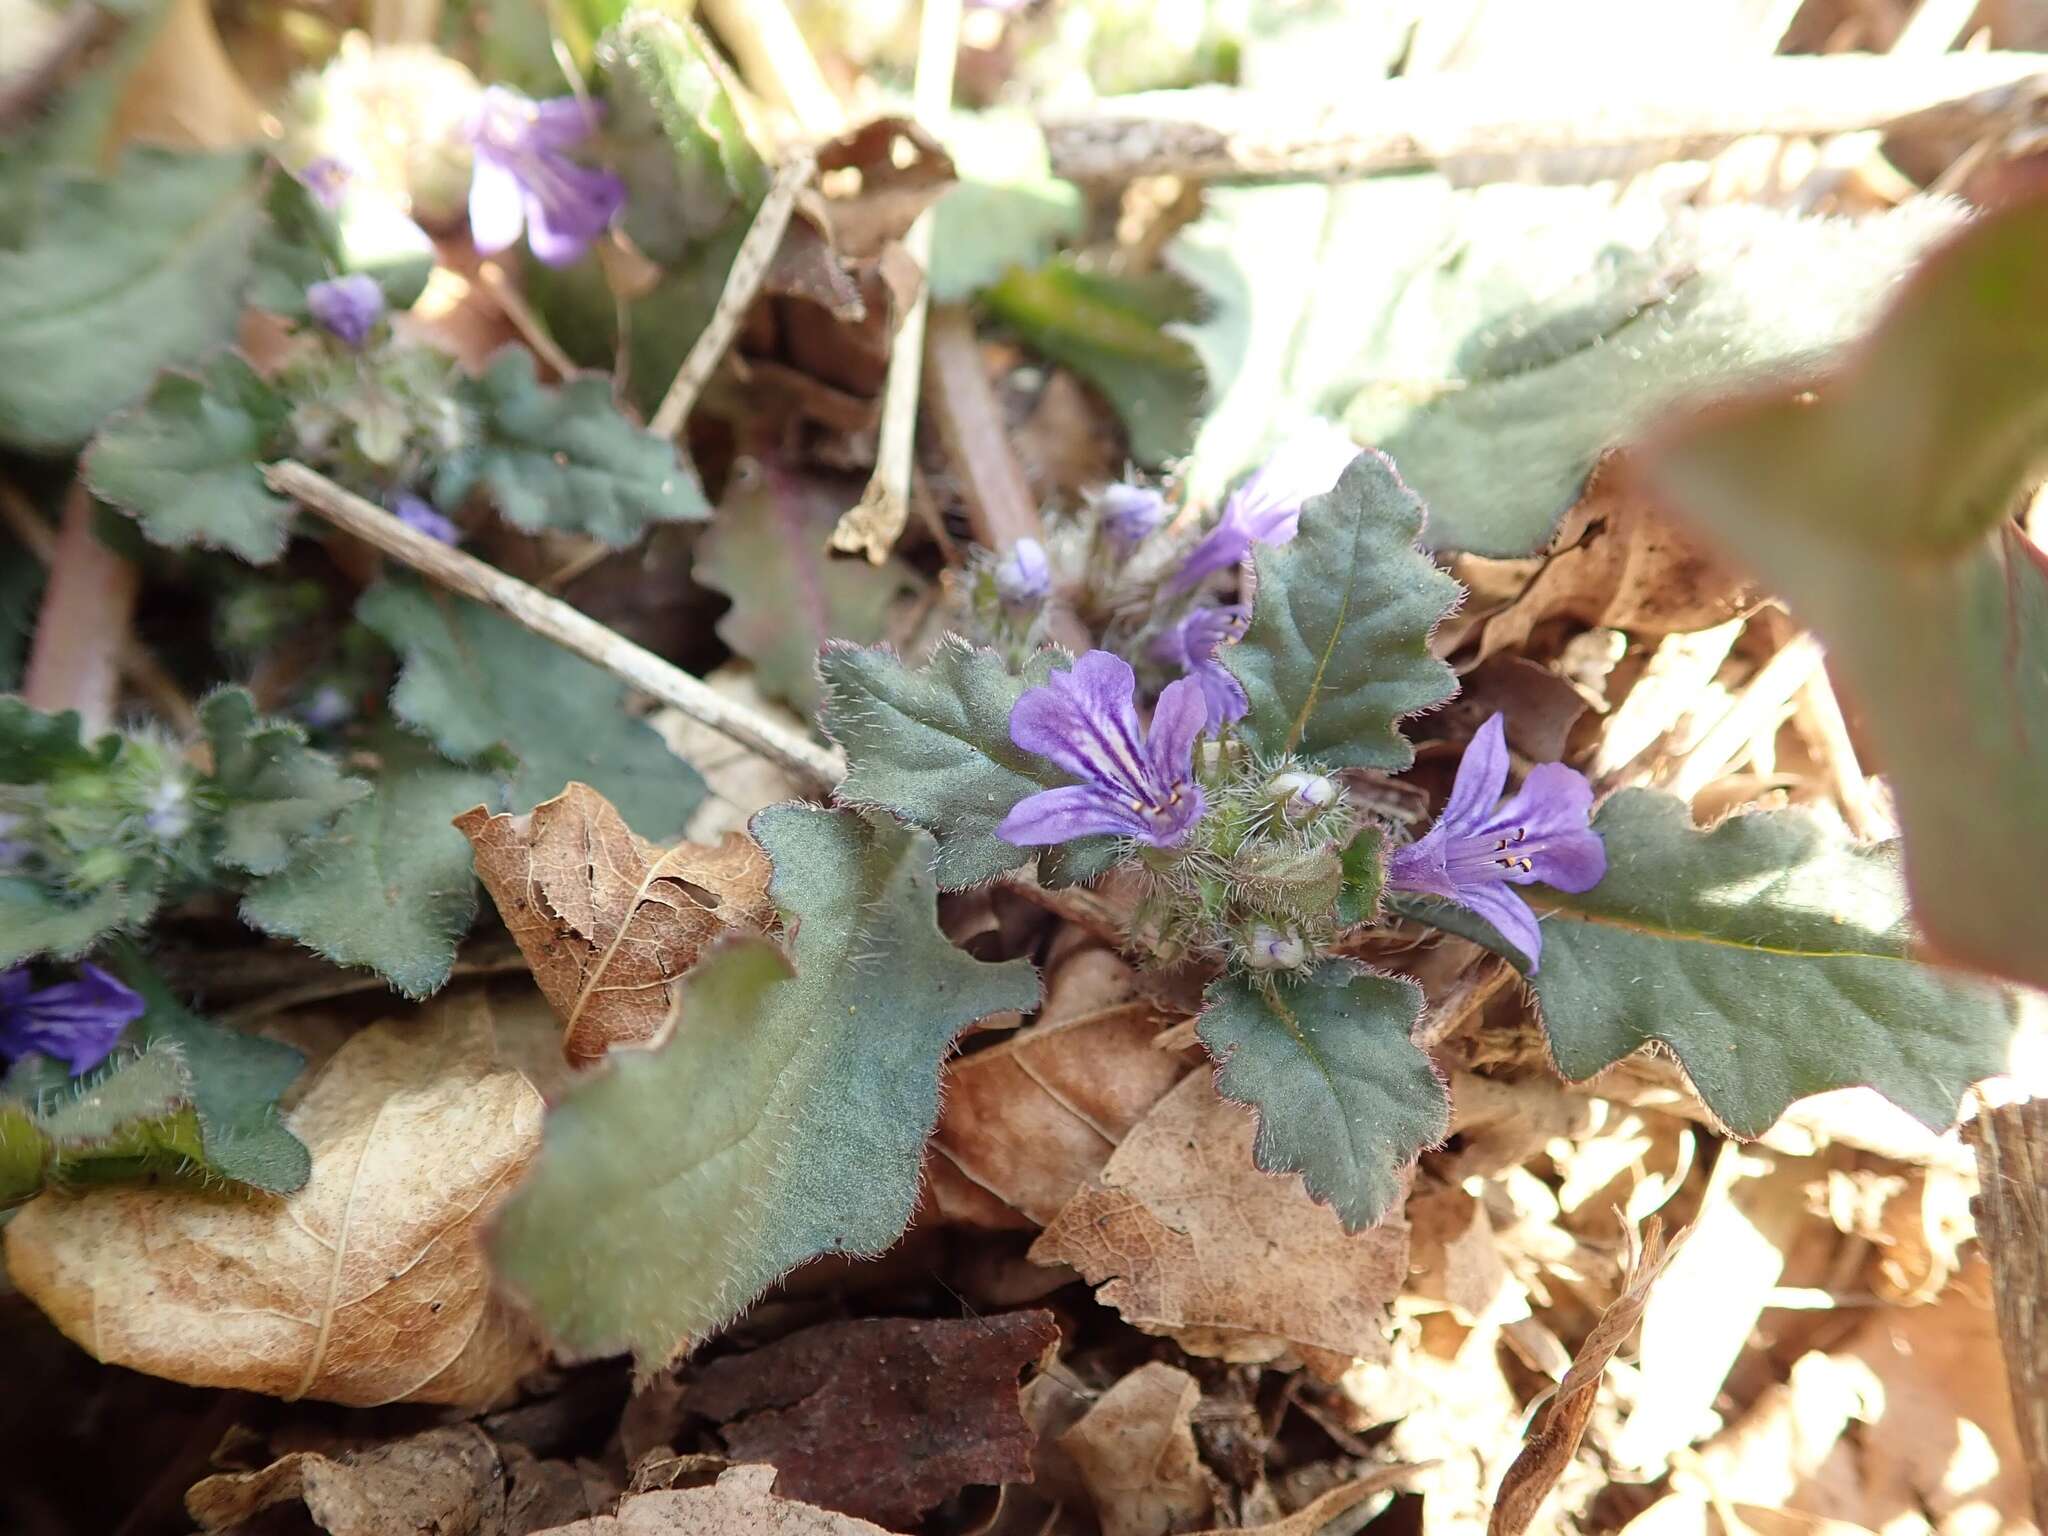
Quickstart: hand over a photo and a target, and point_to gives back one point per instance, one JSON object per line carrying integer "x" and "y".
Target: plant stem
{"x": 544, "y": 615}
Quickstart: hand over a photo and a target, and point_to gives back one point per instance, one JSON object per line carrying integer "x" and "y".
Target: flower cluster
{"x": 525, "y": 180}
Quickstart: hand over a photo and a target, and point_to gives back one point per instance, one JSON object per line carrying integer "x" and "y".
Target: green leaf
{"x": 1365, "y": 876}
{"x": 275, "y": 790}
{"x": 1338, "y": 649}
{"x": 1006, "y": 210}
{"x": 392, "y": 886}
{"x": 768, "y": 550}
{"x": 116, "y": 279}
{"x": 690, "y": 169}
{"x": 36, "y": 922}
{"x": 475, "y": 682}
{"x": 236, "y": 1081}
{"x": 130, "y": 1117}
{"x": 565, "y": 459}
{"x": 1772, "y": 955}
{"x": 35, "y": 746}
{"x": 1880, "y": 514}
{"x": 1112, "y": 331}
{"x": 184, "y": 462}
{"x": 933, "y": 747}
{"x": 1496, "y": 342}
{"x": 1344, "y": 1098}
{"x": 785, "y": 1117}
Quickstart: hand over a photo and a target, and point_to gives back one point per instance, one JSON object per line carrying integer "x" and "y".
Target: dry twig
{"x": 544, "y": 615}
{"x": 2012, "y": 1223}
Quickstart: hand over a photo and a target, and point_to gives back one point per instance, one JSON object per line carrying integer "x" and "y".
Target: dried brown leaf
{"x": 1556, "y": 1439}
{"x": 740, "y": 1503}
{"x": 1183, "y": 1235}
{"x": 1313, "y": 1517}
{"x": 444, "y": 1480}
{"x": 606, "y": 920}
{"x": 882, "y": 1417}
{"x": 1136, "y": 1453}
{"x": 367, "y": 1286}
{"x": 1456, "y": 1260}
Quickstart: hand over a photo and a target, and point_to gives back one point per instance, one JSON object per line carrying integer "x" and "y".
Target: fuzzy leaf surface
{"x": 474, "y": 682}
{"x": 563, "y": 458}
{"x": 1338, "y": 649}
{"x": 276, "y": 790}
{"x": 768, "y": 549}
{"x": 1344, "y": 1097}
{"x": 1772, "y": 955}
{"x": 785, "y": 1116}
{"x": 129, "y": 1117}
{"x": 933, "y": 747}
{"x": 183, "y": 462}
{"x": 1496, "y": 342}
{"x": 1880, "y": 514}
{"x": 115, "y": 278}
{"x": 392, "y": 885}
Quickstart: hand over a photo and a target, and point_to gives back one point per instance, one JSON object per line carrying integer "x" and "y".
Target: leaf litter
{"x": 1104, "y": 1317}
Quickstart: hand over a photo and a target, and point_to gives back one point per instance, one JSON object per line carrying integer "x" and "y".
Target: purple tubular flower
{"x": 1024, "y": 574}
{"x": 1192, "y": 645}
{"x": 419, "y": 515}
{"x": 76, "y": 1022}
{"x": 1086, "y": 721}
{"x": 1266, "y": 509}
{"x": 1479, "y": 848}
{"x": 1128, "y": 512}
{"x": 347, "y": 307}
{"x": 327, "y": 179}
{"x": 525, "y": 180}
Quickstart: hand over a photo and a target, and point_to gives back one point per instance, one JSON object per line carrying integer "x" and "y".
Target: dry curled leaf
{"x": 1185, "y": 1236}
{"x": 1136, "y": 1453}
{"x": 367, "y": 1286}
{"x": 444, "y": 1480}
{"x": 882, "y": 1417}
{"x": 1556, "y": 1440}
{"x": 606, "y": 920}
{"x": 1314, "y": 1518}
{"x": 740, "y": 1503}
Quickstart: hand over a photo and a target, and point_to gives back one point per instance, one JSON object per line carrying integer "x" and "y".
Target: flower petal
{"x": 1510, "y": 916}
{"x": 1179, "y": 717}
{"x": 561, "y": 122}
{"x": 570, "y": 206}
{"x": 1061, "y": 815}
{"x": 76, "y": 1022}
{"x": 1222, "y": 693}
{"x": 1086, "y": 721}
{"x": 1482, "y": 775}
{"x": 497, "y": 207}
{"x": 1423, "y": 865}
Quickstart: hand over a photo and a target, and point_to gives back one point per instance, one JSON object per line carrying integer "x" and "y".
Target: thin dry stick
{"x": 498, "y": 286}
{"x": 777, "y": 62}
{"x": 82, "y": 625}
{"x": 2011, "y": 1141}
{"x": 1821, "y": 722}
{"x": 1762, "y": 702}
{"x": 1214, "y": 132}
{"x": 749, "y": 266}
{"x": 544, "y": 615}
{"x": 874, "y": 523}
{"x": 1000, "y": 507}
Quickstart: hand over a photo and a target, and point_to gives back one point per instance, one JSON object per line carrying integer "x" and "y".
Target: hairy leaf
{"x": 768, "y": 550}
{"x": 606, "y": 920}
{"x": 785, "y": 1117}
{"x": 275, "y": 791}
{"x": 1772, "y": 955}
{"x": 1496, "y": 342}
{"x": 933, "y": 747}
{"x": 391, "y": 886}
{"x": 184, "y": 462}
{"x": 1111, "y": 331}
{"x": 1344, "y": 1098}
{"x": 1338, "y": 649}
{"x": 1880, "y": 513}
{"x": 35, "y": 921}
{"x": 475, "y": 682}
{"x": 565, "y": 459}
{"x": 116, "y": 278}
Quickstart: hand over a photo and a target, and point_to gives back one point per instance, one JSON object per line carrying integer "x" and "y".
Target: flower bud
{"x": 1302, "y": 794}
{"x": 1024, "y": 574}
{"x": 1275, "y": 949}
{"x": 1128, "y": 512}
{"x": 347, "y": 307}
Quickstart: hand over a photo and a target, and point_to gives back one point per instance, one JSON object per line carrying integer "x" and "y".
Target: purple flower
{"x": 419, "y": 515}
{"x": 1192, "y": 645}
{"x": 1086, "y": 721}
{"x": 523, "y": 178}
{"x": 1024, "y": 574}
{"x": 347, "y": 307}
{"x": 327, "y": 179}
{"x": 1128, "y": 512}
{"x": 327, "y": 708}
{"x": 1478, "y": 848}
{"x": 77, "y": 1022}
{"x": 1266, "y": 509}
